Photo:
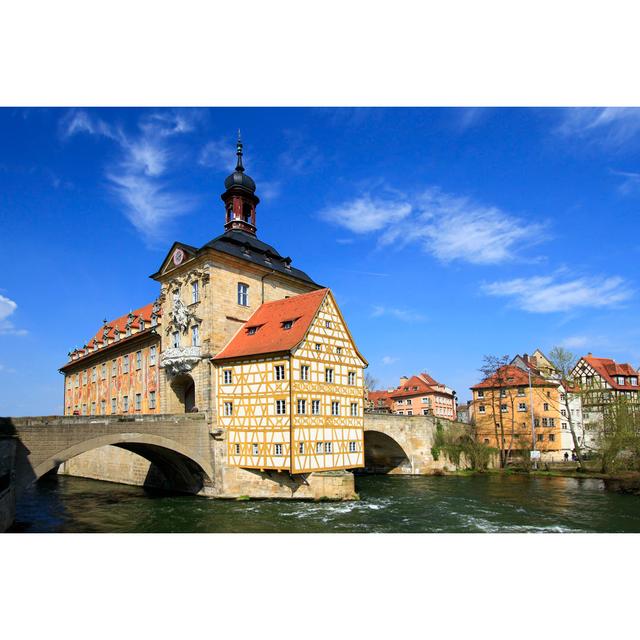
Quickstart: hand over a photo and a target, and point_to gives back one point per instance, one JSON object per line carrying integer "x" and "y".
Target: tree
{"x": 564, "y": 361}
{"x": 370, "y": 382}
{"x": 619, "y": 436}
{"x": 494, "y": 366}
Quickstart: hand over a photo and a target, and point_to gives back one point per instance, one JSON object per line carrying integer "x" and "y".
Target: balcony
{"x": 179, "y": 359}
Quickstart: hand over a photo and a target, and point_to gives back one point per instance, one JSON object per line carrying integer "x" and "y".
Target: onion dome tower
{"x": 239, "y": 198}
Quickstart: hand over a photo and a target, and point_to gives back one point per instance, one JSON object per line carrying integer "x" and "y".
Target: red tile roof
{"x": 375, "y": 396}
{"x": 608, "y": 368}
{"x": 423, "y": 382}
{"x": 143, "y": 313}
{"x": 268, "y": 319}
{"x": 512, "y": 376}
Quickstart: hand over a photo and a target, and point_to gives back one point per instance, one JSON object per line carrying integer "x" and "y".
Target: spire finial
{"x": 239, "y": 166}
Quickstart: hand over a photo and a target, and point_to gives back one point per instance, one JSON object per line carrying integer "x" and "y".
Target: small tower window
{"x": 246, "y": 212}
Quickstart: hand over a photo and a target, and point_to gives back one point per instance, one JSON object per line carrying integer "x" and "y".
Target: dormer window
{"x": 141, "y": 325}
{"x": 154, "y": 320}
{"x": 251, "y": 330}
{"x": 287, "y": 324}
{"x": 128, "y": 330}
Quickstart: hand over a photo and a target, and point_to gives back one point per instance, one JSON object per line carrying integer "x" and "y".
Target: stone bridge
{"x": 401, "y": 444}
{"x": 180, "y": 446}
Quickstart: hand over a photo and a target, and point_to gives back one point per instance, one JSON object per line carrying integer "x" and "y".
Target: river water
{"x": 388, "y": 504}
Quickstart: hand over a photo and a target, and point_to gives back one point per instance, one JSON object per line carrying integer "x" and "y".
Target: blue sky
{"x": 446, "y": 234}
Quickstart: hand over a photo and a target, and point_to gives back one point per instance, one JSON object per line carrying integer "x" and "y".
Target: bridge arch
{"x": 385, "y": 454}
{"x": 184, "y": 470}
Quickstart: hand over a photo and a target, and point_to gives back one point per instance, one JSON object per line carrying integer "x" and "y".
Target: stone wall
{"x": 7, "y": 485}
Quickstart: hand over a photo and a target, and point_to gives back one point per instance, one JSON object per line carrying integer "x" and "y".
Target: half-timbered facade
{"x": 291, "y": 388}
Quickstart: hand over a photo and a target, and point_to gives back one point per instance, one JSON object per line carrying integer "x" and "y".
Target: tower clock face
{"x": 178, "y": 257}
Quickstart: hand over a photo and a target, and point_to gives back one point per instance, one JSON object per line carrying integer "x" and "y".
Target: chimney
{"x": 403, "y": 380}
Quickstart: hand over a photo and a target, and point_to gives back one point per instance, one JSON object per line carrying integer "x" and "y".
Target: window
{"x": 318, "y": 346}
{"x": 93, "y": 408}
{"x": 327, "y": 323}
{"x": 84, "y": 409}
{"x": 522, "y": 406}
{"x": 152, "y": 399}
{"x": 138, "y": 401}
{"x": 175, "y": 339}
{"x": 255, "y": 449}
{"x": 540, "y": 437}
{"x": 425, "y": 400}
{"x": 327, "y": 447}
{"x": 77, "y": 381}
{"x": 408, "y": 400}
{"x": 138, "y": 360}
{"x": 552, "y": 422}
{"x": 125, "y": 364}
{"x": 251, "y": 330}
{"x": 302, "y": 407}
{"x": 103, "y": 371}
{"x": 354, "y": 408}
{"x": 195, "y": 292}
{"x": 410, "y": 412}
{"x": 536, "y": 422}
{"x": 278, "y": 449}
{"x": 84, "y": 377}
{"x": 480, "y": 394}
{"x": 545, "y": 406}
{"x": 335, "y": 408}
{"x": 503, "y": 393}
{"x": 503, "y": 408}
{"x": 141, "y": 324}
{"x": 552, "y": 437}
{"x": 287, "y": 324}
{"x": 228, "y": 408}
{"x": 125, "y": 403}
{"x": 338, "y": 350}
{"x": 565, "y": 425}
{"x": 237, "y": 449}
{"x": 103, "y": 407}
{"x": 114, "y": 367}
{"x": 114, "y": 405}
{"x": 281, "y": 407}
{"x": 152, "y": 355}
{"x": 94, "y": 374}
{"x": 128, "y": 330}
{"x": 353, "y": 447}
{"x": 227, "y": 376}
{"x": 482, "y": 409}
{"x": 304, "y": 372}
{"x": 486, "y": 440}
{"x": 315, "y": 407}
{"x": 195, "y": 336}
{"x": 328, "y": 375}
{"x": 633, "y": 382}
{"x": 563, "y": 412}
{"x": 425, "y": 412}
{"x": 351, "y": 377}
{"x": 521, "y": 392}
{"x": 548, "y": 394}
{"x": 318, "y": 447}
{"x": 279, "y": 371}
{"x": 563, "y": 397}
{"x": 301, "y": 447}
{"x": 243, "y": 294}
{"x": 545, "y": 422}
{"x": 154, "y": 320}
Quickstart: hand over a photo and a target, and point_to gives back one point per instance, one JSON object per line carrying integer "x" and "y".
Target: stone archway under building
{"x": 182, "y": 394}
{"x": 383, "y": 454}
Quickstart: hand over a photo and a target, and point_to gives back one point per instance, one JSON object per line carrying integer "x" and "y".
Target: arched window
{"x": 243, "y": 294}
{"x": 246, "y": 212}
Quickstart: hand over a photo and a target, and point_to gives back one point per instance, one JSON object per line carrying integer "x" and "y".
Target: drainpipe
{"x": 266, "y": 275}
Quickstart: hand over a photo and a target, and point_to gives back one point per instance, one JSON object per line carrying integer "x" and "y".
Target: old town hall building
{"x": 240, "y": 333}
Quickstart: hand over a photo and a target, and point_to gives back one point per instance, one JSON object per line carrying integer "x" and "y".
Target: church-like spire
{"x": 239, "y": 198}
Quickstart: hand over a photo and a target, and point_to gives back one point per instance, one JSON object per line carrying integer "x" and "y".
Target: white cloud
{"x": 574, "y": 342}
{"x": 448, "y": 227}
{"x": 547, "y": 294}
{"x": 219, "y": 155}
{"x": 5, "y": 369}
{"x": 405, "y": 315}
{"x": 7, "y": 309}
{"x": 386, "y": 360}
{"x": 611, "y": 126}
{"x": 139, "y": 176}
{"x": 366, "y": 214}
